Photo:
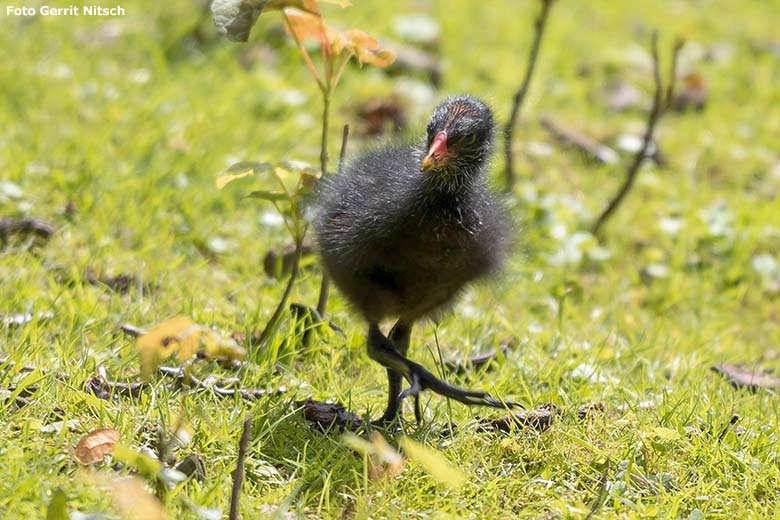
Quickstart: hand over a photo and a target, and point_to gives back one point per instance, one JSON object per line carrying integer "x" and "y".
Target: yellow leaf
{"x": 240, "y": 170}
{"x": 382, "y": 459}
{"x": 386, "y": 454}
{"x": 131, "y": 498}
{"x": 666, "y": 434}
{"x": 223, "y": 180}
{"x": 434, "y": 463}
{"x": 218, "y": 346}
{"x": 95, "y": 445}
{"x": 179, "y": 335}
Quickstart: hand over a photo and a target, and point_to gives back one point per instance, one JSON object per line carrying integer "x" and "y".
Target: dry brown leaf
{"x": 95, "y": 445}
{"x": 539, "y": 419}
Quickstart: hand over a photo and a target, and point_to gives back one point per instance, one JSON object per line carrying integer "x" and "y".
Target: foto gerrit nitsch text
{"x": 73, "y": 10}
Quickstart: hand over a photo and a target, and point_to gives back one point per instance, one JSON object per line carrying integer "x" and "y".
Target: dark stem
{"x": 519, "y": 96}
{"x": 273, "y": 322}
{"x": 238, "y": 473}
{"x": 322, "y": 301}
{"x": 678, "y": 44}
{"x": 633, "y": 169}
{"x": 324, "y": 141}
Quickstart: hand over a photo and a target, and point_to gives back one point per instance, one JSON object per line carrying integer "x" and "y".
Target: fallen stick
{"x": 591, "y": 148}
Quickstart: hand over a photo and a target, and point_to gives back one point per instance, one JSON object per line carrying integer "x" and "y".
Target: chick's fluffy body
{"x": 399, "y": 242}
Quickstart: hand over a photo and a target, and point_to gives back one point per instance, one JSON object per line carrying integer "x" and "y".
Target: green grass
{"x": 131, "y": 119}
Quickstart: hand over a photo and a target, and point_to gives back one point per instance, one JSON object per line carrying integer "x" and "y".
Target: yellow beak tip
{"x": 427, "y": 164}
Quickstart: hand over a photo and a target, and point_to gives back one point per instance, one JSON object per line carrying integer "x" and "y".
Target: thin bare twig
{"x": 475, "y": 362}
{"x": 132, "y": 330}
{"x": 519, "y": 96}
{"x": 102, "y": 387}
{"x": 220, "y": 391}
{"x": 591, "y": 148}
{"x": 678, "y": 44}
{"x": 633, "y": 169}
{"x": 238, "y": 473}
{"x": 322, "y": 301}
{"x": 270, "y": 327}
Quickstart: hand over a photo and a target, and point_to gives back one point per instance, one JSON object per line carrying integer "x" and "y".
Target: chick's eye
{"x": 469, "y": 139}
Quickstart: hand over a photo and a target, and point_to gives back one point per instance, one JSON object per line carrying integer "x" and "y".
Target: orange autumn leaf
{"x": 364, "y": 47}
{"x": 311, "y": 6}
{"x": 360, "y": 39}
{"x": 382, "y": 58}
{"x": 302, "y": 24}
{"x": 340, "y": 3}
{"x": 95, "y": 445}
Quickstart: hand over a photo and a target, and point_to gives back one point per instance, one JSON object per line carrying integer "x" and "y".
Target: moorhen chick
{"x": 403, "y": 228}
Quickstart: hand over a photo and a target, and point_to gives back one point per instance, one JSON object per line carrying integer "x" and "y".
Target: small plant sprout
{"x": 303, "y": 20}
{"x": 295, "y": 181}
{"x": 337, "y": 50}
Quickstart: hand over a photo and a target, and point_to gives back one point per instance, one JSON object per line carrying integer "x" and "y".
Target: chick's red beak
{"x": 437, "y": 153}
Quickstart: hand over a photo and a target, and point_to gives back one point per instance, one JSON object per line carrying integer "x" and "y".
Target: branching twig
{"x": 633, "y": 169}
{"x": 519, "y": 96}
{"x": 322, "y": 301}
{"x": 238, "y": 473}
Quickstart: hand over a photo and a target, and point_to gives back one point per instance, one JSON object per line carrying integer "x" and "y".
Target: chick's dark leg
{"x": 399, "y": 337}
{"x": 383, "y": 351}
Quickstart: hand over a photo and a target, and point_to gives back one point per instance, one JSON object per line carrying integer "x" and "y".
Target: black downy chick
{"x": 404, "y": 228}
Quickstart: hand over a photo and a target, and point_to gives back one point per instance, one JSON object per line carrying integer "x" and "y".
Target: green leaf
{"x": 267, "y": 195}
{"x": 145, "y": 465}
{"x": 58, "y": 509}
{"x": 235, "y": 18}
